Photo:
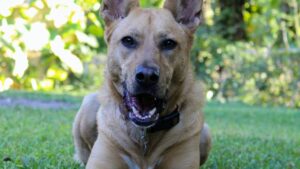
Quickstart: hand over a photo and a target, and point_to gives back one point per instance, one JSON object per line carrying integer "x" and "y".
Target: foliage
{"x": 247, "y": 49}
{"x": 248, "y": 72}
{"x": 243, "y": 136}
{"x": 47, "y": 44}
{"x": 260, "y": 67}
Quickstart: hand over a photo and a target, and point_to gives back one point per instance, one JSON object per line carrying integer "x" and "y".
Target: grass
{"x": 44, "y": 96}
{"x": 243, "y": 136}
{"x": 253, "y": 137}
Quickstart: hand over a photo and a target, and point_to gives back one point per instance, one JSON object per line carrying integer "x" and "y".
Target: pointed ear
{"x": 112, "y": 10}
{"x": 186, "y": 12}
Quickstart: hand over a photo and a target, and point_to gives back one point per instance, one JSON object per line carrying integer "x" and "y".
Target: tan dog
{"x": 148, "y": 114}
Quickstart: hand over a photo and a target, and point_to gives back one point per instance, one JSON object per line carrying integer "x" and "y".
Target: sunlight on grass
{"x": 243, "y": 136}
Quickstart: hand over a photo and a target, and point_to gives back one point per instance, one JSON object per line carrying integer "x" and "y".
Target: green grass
{"x": 253, "y": 137}
{"x": 44, "y": 96}
{"x": 243, "y": 136}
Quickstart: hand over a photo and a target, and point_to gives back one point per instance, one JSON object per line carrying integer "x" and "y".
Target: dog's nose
{"x": 146, "y": 76}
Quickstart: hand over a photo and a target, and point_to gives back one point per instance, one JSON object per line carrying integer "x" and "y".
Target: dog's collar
{"x": 166, "y": 122}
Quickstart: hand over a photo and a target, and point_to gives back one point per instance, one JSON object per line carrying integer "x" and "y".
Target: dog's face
{"x": 148, "y": 55}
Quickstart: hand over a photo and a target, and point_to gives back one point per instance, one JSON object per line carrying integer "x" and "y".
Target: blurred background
{"x": 246, "y": 50}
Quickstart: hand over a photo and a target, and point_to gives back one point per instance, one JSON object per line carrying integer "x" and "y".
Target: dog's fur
{"x": 104, "y": 138}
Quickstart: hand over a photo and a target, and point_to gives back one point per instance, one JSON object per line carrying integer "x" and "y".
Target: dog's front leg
{"x": 186, "y": 155}
{"x": 104, "y": 155}
{"x": 85, "y": 127}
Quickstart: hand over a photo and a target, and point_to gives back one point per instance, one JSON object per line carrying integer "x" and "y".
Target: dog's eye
{"x": 129, "y": 42}
{"x": 168, "y": 44}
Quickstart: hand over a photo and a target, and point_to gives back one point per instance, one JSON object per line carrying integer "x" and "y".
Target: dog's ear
{"x": 112, "y": 10}
{"x": 186, "y": 12}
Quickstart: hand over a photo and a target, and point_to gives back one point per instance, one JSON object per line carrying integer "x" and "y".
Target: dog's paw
{"x": 78, "y": 160}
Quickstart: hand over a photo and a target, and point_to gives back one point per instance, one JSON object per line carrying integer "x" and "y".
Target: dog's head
{"x": 148, "y": 53}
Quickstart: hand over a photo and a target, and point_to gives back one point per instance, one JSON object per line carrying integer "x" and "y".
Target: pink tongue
{"x": 144, "y": 103}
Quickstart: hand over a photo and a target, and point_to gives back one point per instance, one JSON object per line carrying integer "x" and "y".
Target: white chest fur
{"x": 132, "y": 165}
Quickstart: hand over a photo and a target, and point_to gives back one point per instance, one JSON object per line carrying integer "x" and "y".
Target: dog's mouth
{"x": 143, "y": 109}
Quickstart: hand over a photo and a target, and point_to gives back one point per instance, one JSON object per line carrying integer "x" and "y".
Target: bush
{"x": 49, "y": 44}
{"x": 244, "y": 71}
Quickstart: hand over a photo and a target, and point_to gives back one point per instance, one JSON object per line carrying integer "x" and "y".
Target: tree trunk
{"x": 231, "y": 21}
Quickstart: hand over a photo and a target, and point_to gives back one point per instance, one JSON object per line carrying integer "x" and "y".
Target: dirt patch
{"x": 37, "y": 104}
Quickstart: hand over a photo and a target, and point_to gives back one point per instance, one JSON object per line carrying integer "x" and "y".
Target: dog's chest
{"x": 133, "y": 165}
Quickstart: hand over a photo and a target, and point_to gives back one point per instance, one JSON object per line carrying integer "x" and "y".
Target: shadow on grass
{"x": 44, "y": 96}
{"x": 39, "y": 100}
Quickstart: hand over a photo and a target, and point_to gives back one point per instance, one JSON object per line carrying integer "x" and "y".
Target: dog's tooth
{"x": 152, "y": 111}
{"x": 135, "y": 111}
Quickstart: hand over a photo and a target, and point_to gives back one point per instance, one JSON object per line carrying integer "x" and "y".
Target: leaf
{"x": 66, "y": 56}
{"x": 96, "y": 31}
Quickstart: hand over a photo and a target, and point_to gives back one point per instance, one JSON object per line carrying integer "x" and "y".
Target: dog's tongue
{"x": 144, "y": 103}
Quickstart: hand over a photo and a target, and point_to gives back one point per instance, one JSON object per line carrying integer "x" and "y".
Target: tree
{"x": 230, "y": 21}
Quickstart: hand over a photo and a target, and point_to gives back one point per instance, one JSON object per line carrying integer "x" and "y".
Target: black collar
{"x": 166, "y": 122}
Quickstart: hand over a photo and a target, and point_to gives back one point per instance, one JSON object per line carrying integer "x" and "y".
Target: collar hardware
{"x": 166, "y": 122}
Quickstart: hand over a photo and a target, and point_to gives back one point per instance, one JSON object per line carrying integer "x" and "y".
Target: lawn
{"x": 243, "y": 136}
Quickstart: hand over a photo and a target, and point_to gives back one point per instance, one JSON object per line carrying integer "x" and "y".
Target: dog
{"x": 148, "y": 113}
